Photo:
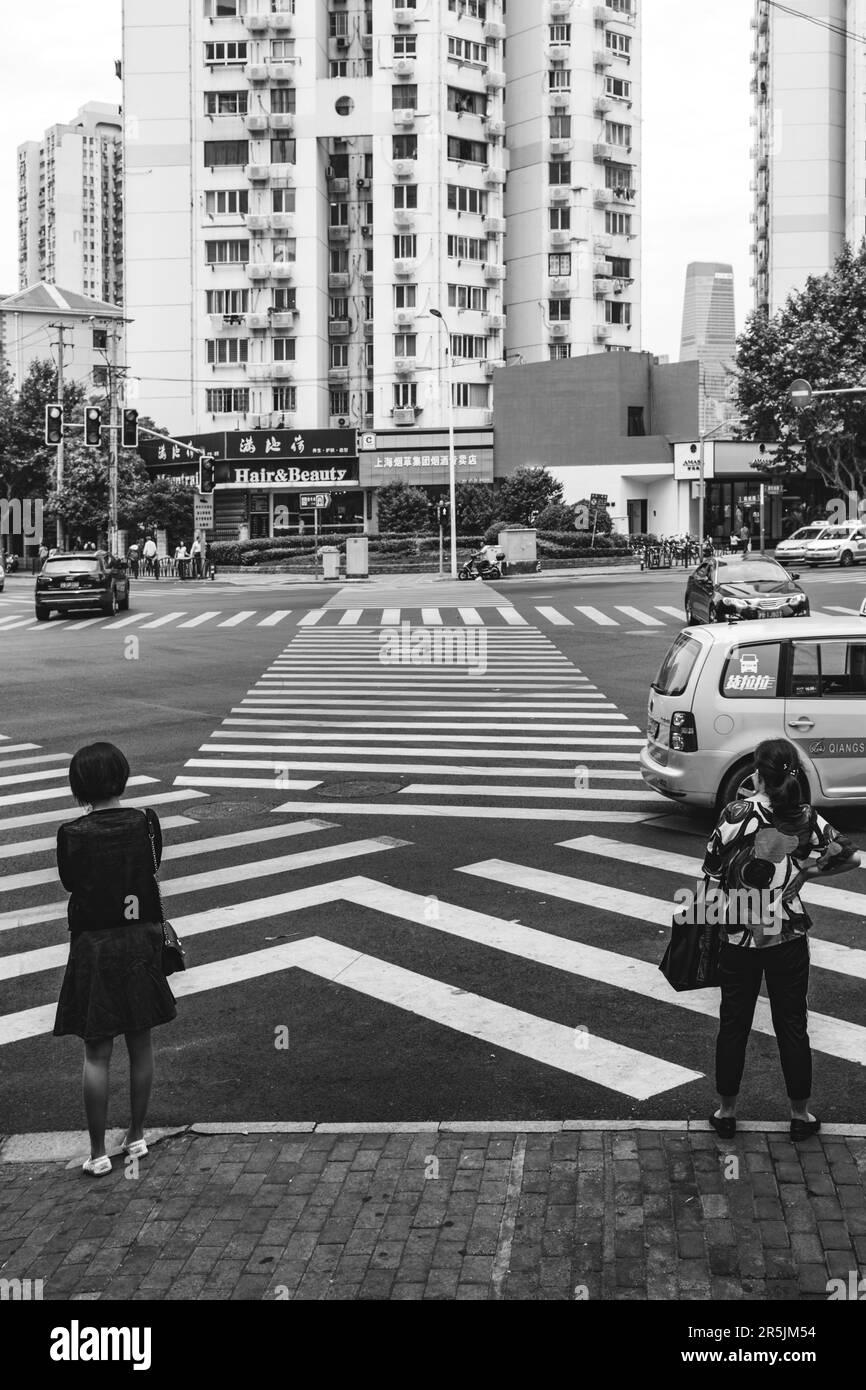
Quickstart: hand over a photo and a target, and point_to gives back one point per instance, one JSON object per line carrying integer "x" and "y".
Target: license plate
{"x": 69, "y": 584}
{"x": 653, "y": 730}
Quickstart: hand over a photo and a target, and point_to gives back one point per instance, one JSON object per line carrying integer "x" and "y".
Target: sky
{"x": 696, "y": 167}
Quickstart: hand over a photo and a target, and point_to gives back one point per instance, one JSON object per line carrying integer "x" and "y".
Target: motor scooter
{"x": 479, "y": 567}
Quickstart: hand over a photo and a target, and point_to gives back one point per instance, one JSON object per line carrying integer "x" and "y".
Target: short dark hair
{"x": 97, "y": 773}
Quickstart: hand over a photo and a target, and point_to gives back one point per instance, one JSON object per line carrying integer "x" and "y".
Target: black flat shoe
{"x": 725, "y": 1126}
{"x": 804, "y": 1129}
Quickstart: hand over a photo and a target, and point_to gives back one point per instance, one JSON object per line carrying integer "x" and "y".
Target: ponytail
{"x": 779, "y": 766}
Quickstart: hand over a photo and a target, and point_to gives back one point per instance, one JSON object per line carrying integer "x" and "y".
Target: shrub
{"x": 556, "y": 517}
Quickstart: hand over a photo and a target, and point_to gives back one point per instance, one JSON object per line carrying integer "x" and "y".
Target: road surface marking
{"x": 638, "y": 616}
{"x": 444, "y": 769}
{"x": 847, "y": 612}
{"x": 9, "y": 625}
{"x": 351, "y": 617}
{"x": 677, "y": 613}
{"x": 202, "y": 618}
{"x": 431, "y": 617}
{"x": 59, "y": 791}
{"x": 43, "y": 775}
{"x": 244, "y": 783}
{"x": 238, "y": 618}
{"x": 276, "y": 617}
{"x": 512, "y": 617}
{"x": 422, "y": 722}
{"x": 554, "y": 616}
{"x": 22, "y": 762}
{"x": 310, "y": 619}
{"x": 471, "y": 617}
{"x": 162, "y": 622}
{"x": 424, "y": 737}
{"x": 595, "y": 615}
{"x": 13, "y": 851}
{"x": 391, "y": 617}
{"x": 536, "y": 793}
{"x": 127, "y": 622}
{"x": 47, "y": 817}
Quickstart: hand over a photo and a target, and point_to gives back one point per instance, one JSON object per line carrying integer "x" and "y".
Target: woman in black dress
{"x": 114, "y": 981}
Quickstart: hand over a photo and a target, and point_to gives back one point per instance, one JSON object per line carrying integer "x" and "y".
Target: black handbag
{"x": 173, "y": 952}
{"x": 691, "y": 960}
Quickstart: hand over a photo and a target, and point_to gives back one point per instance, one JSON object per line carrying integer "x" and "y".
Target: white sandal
{"x": 97, "y": 1167}
{"x": 136, "y": 1149}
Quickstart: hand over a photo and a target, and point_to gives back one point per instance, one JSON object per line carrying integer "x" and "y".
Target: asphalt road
{"x": 399, "y": 900}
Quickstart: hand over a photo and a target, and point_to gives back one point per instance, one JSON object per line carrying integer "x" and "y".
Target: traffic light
{"x": 54, "y": 424}
{"x": 130, "y": 429}
{"x": 93, "y": 427}
{"x": 205, "y": 476}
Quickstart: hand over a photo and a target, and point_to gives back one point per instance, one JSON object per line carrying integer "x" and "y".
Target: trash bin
{"x": 330, "y": 561}
{"x": 357, "y": 557}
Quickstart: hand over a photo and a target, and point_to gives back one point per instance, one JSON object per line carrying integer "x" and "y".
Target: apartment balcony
{"x": 560, "y": 193}
{"x": 403, "y": 17}
{"x": 494, "y": 80}
{"x": 282, "y": 24}
{"x": 282, "y": 221}
{"x": 257, "y": 222}
{"x": 405, "y": 366}
{"x": 493, "y": 273}
{"x": 258, "y": 173}
{"x": 404, "y": 267}
{"x": 258, "y": 322}
{"x": 494, "y": 226}
{"x": 338, "y": 232}
{"x": 404, "y": 318}
{"x": 602, "y": 332}
{"x": 338, "y": 328}
{"x": 404, "y": 116}
{"x": 560, "y": 287}
{"x": 404, "y": 67}
{"x": 493, "y": 323}
{"x": 404, "y": 415}
{"x": 606, "y": 14}
{"x": 338, "y": 376}
{"x": 339, "y": 280}
{"x": 560, "y": 238}
{"x": 256, "y": 121}
{"x": 602, "y": 197}
{"x": 494, "y": 178}
{"x": 223, "y": 321}
{"x": 622, "y": 194}
{"x": 605, "y": 154}
{"x": 283, "y": 318}
{"x": 601, "y": 286}
{"x": 257, "y": 73}
{"x": 405, "y": 168}
{"x": 561, "y": 146}
{"x": 602, "y": 266}
{"x": 494, "y": 31}
{"x": 560, "y": 329}
{"x": 281, "y": 120}
{"x": 367, "y": 278}
{"x": 404, "y": 218}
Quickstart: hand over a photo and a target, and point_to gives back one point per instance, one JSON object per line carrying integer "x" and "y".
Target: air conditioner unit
{"x": 559, "y": 330}
{"x": 404, "y": 415}
{"x": 602, "y": 58}
{"x": 493, "y": 177}
{"x": 257, "y": 72}
{"x": 258, "y": 173}
{"x": 404, "y": 116}
{"x": 258, "y": 321}
{"x": 404, "y": 317}
{"x": 405, "y": 267}
{"x": 494, "y": 226}
{"x": 257, "y": 23}
{"x": 256, "y": 121}
{"x": 488, "y": 368}
{"x": 602, "y": 332}
{"x": 494, "y": 80}
{"x": 405, "y": 366}
{"x": 342, "y": 40}
{"x": 558, "y": 54}
{"x": 282, "y": 120}
{"x": 494, "y": 323}
{"x": 560, "y": 287}
{"x": 487, "y": 419}
{"x": 404, "y": 18}
{"x": 602, "y": 285}
{"x": 258, "y": 272}
{"x": 496, "y": 129}
{"x": 363, "y": 183}
{"x": 404, "y": 168}
{"x": 404, "y": 217}
{"x": 494, "y": 31}
{"x": 283, "y": 71}
{"x": 282, "y": 23}
{"x": 493, "y": 272}
{"x": 560, "y": 101}
{"x": 257, "y": 222}
{"x": 283, "y": 318}
{"x": 404, "y": 67}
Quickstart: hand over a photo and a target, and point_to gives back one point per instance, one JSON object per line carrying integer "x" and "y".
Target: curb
{"x": 70, "y": 1147}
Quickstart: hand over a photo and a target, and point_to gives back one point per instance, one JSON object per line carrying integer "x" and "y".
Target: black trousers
{"x": 786, "y": 970}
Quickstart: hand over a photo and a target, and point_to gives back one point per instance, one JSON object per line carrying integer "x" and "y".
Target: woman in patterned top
{"x": 762, "y": 850}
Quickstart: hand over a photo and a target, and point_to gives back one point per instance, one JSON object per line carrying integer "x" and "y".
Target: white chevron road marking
{"x": 596, "y": 616}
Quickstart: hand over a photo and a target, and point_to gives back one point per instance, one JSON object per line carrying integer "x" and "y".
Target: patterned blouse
{"x": 761, "y": 905}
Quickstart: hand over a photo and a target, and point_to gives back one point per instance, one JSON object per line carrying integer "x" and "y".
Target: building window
{"x": 405, "y": 247}
{"x": 405, "y": 344}
{"x": 228, "y": 202}
{"x": 222, "y": 351}
{"x": 560, "y": 33}
{"x": 467, "y": 151}
{"x": 475, "y": 9}
{"x": 404, "y": 97}
{"x": 338, "y": 67}
{"x": 559, "y": 172}
{"x": 615, "y": 133}
{"x": 338, "y": 260}
{"x": 466, "y": 103}
{"x": 636, "y": 426}
{"x": 620, "y": 44}
{"x": 227, "y": 252}
{"x": 229, "y": 303}
{"x": 617, "y": 223}
{"x": 339, "y": 403}
{"x": 560, "y": 127}
{"x": 468, "y": 297}
{"x": 224, "y": 9}
{"x": 338, "y": 24}
{"x": 468, "y": 347}
{"x": 283, "y": 151}
{"x": 100, "y": 376}
{"x": 618, "y": 312}
{"x": 463, "y": 199}
{"x": 282, "y": 50}
{"x": 466, "y": 395}
{"x": 339, "y": 307}
{"x": 617, "y": 87}
{"x": 405, "y": 195}
{"x": 225, "y": 103}
{"x": 228, "y": 400}
{"x": 624, "y": 6}
{"x": 225, "y": 54}
{"x": 559, "y": 264}
{"x": 467, "y": 248}
{"x": 559, "y": 80}
{"x": 405, "y": 46}
{"x": 285, "y": 398}
{"x": 465, "y": 51}
{"x": 100, "y": 338}
{"x": 620, "y": 177}
{"x": 404, "y": 146}
{"x": 283, "y": 101}
{"x": 285, "y": 300}
{"x": 339, "y": 354}
{"x": 219, "y": 153}
{"x": 405, "y": 297}
{"x": 283, "y": 200}
{"x": 284, "y": 349}
{"x": 559, "y": 310}
{"x": 339, "y": 215}
{"x": 405, "y": 395}
{"x": 560, "y": 219}
{"x": 558, "y": 352}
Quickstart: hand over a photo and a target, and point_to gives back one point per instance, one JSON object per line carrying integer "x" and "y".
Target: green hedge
{"x": 301, "y": 550}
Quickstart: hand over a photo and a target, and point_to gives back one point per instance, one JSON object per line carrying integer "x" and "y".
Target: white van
{"x": 723, "y": 689}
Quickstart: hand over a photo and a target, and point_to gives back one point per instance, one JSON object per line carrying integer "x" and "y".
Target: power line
{"x": 841, "y": 30}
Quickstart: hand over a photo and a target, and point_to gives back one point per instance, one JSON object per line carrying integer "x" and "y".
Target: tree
{"x": 556, "y": 517}
{"x": 817, "y": 336}
{"x": 403, "y": 509}
{"x": 526, "y": 493}
{"x": 475, "y": 507}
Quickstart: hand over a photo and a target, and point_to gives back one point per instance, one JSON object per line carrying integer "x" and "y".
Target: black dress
{"x": 114, "y": 982}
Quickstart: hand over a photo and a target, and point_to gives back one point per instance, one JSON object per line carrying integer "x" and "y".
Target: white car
{"x": 838, "y": 545}
{"x": 794, "y": 548}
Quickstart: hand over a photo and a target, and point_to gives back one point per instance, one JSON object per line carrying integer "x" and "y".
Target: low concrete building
{"x": 29, "y": 333}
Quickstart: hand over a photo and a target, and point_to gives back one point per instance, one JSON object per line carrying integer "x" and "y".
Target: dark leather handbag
{"x": 173, "y": 952}
{"x": 691, "y": 960}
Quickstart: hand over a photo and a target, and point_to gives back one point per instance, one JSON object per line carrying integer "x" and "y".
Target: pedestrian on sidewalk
{"x": 114, "y": 981}
{"x": 149, "y": 554}
{"x": 771, "y": 841}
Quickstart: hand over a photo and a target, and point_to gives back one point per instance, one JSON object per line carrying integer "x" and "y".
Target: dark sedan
{"x": 743, "y": 587}
{"x": 81, "y": 580}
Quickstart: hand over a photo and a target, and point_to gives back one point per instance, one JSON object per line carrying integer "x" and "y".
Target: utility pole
{"x": 113, "y": 438}
{"x": 61, "y": 348}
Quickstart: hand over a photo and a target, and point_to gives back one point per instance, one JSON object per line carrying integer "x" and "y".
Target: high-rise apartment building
{"x": 809, "y": 83}
{"x": 709, "y": 337}
{"x": 70, "y": 187}
{"x": 306, "y": 184}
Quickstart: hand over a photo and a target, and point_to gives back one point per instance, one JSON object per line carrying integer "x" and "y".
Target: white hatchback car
{"x": 793, "y": 549}
{"x": 723, "y": 689}
{"x": 838, "y": 545}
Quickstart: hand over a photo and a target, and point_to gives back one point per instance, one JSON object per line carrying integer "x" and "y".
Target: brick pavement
{"x": 596, "y": 1213}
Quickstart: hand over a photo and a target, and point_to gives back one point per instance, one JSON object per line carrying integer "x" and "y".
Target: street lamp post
{"x": 452, "y": 470}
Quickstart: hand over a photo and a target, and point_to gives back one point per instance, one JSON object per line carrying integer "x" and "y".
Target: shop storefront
{"x": 421, "y": 458}
{"x": 736, "y": 474}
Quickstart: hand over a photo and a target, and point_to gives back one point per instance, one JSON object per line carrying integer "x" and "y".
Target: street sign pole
{"x": 762, "y": 517}
{"x": 441, "y": 545}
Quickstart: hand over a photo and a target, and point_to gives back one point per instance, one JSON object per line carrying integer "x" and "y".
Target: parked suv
{"x": 80, "y": 580}
{"x": 722, "y": 690}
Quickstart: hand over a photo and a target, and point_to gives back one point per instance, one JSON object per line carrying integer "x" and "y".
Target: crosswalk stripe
{"x": 391, "y": 617}
{"x": 18, "y": 964}
{"x": 54, "y": 792}
{"x": 10, "y": 624}
{"x": 426, "y": 736}
{"x": 26, "y": 762}
{"x": 46, "y": 817}
{"x": 127, "y": 622}
{"x": 237, "y": 618}
{"x": 351, "y": 617}
{"x": 162, "y": 622}
{"x": 420, "y": 723}
{"x": 677, "y": 613}
{"x": 311, "y": 618}
{"x": 245, "y": 783}
{"x": 595, "y": 615}
{"x": 471, "y": 617}
{"x": 846, "y": 612}
{"x": 17, "y": 747}
{"x": 53, "y": 626}
{"x": 431, "y": 617}
{"x": 276, "y": 617}
{"x": 534, "y": 792}
{"x": 576, "y": 745}
{"x": 201, "y": 619}
{"x": 416, "y": 810}
{"x": 386, "y": 763}
{"x": 554, "y": 616}
{"x": 638, "y": 616}
{"x": 42, "y": 775}
{"x": 406, "y": 705}
{"x": 512, "y": 617}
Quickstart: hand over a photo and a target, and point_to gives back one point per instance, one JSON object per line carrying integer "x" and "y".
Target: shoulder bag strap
{"x": 155, "y": 866}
